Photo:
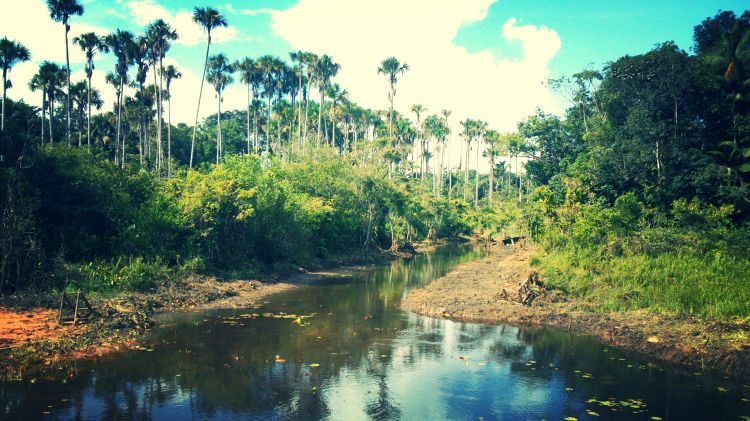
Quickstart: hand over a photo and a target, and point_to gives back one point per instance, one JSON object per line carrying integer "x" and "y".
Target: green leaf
{"x": 744, "y": 168}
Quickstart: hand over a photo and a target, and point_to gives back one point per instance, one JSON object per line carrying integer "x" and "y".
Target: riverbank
{"x": 31, "y": 337}
{"x": 483, "y": 291}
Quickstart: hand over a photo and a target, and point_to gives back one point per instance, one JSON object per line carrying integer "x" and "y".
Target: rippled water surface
{"x": 359, "y": 357}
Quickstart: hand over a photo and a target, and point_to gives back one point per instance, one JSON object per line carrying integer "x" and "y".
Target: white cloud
{"x": 442, "y": 74}
{"x": 45, "y": 39}
{"x": 144, "y": 12}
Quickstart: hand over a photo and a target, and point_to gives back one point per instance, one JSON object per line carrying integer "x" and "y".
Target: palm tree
{"x": 209, "y": 19}
{"x": 61, "y": 11}
{"x": 391, "y": 67}
{"x": 481, "y": 129}
{"x": 122, "y": 45}
{"x": 219, "y": 75}
{"x": 248, "y": 75}
{"x": 11, "y": 53}
{"x": 446, "y": 114}
{"x": 170, "y": 73}
{"x": 337, "y": 95}
{"x": 418, "y": 109}
{"x": 269, "y": 68}
{"x": 49, "y": 79}
{"x": 161, "y": 35}
{"x": 142, "y": 56}
{"x": 81, "y": 99}
{"x": 468, "y": 135}
{"x": 90, "y": 44}
{"x": 36, "y": 84}
{"x": 492, "y": 139}
{"x": 325, "y": 69}
{"x": 309, "y": 61}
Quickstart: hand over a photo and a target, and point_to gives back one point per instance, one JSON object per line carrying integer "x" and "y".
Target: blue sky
{"x": 479, "y": 58}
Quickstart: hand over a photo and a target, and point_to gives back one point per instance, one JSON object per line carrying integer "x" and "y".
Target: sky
{"x": 484, "y": 59}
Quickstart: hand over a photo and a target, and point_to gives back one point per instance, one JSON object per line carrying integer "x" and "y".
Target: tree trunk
{"x": 119, "y": 120}
{"x": 248, "y": 118}
{"x": 44, "y": 111}
{"x": 200, "y": 94}
{"x": 169, "y": 133}
{"x": 268, "y": 127}
{"x": 476, "y": 180}
{"x": 218, "y": 131}
{"x": 320, "y": 118}
{"x": 5, "y": 88}
{"x": 88, "y": 118}
{"x": 67, "y": 63}
{"x": 492, "y": 175}
{"x": 159, "y": 113}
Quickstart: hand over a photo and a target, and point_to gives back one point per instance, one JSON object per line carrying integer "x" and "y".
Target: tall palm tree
{"x": 61, "y": 11}
{"x": 90, "y": 44}
{"x": 446, "y": 114}
{"x": 49, "y": 79}
{"x": 161, "y": 36}
{"x": 11, "y": 53}
{"x": 480, "y": 130}
{"x": 337, "y": 96}
{"x": 469, "y": 127}
{"x": 392, "y": 68}
{"x": 270, "y": 71}
{"x": 310, "y": 61}
{"x": 325, "y": 70}
{"x": 170, "y": 73}
{"x": 492, "y": 139}
{"x": 82, "y": 99}
{"x": 142, "y": 57}
{"x": 122, "y": 45}
{"x": 301, "y": 60}
{"x": 418, "y": 109}
{"x": 36, "y": 84}
{"x": 248, "y": 74}
{"x": 219, "y": 75}
{"x": 209, "y": 19}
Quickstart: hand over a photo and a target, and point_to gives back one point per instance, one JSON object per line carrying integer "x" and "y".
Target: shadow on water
{"x": 360, "y": 357}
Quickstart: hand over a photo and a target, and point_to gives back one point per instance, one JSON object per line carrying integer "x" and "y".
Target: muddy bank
{"x": 31, "y": 337}
{"x": 485, "y": 291}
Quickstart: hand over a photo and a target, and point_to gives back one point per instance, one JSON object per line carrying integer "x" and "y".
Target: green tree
{"x": 160, "y": 35}
{"x": 392, "y": 68}
{"x": 61, "y": 11}
{"x": 209, "y": 19}
{"x": 11, "y": 53}
{"x": 122, "y": 45}
{"x": 219, "y": 75}
{"x": 325, "y": 70}
{"x": 90, "y": 44}
{"x": 170, "y": 74}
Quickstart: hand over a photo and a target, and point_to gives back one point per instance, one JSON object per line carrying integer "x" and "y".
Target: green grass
{"x": 712, "y": 286}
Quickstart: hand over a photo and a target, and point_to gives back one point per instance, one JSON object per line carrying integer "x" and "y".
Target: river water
{"x": 358, "y": 356}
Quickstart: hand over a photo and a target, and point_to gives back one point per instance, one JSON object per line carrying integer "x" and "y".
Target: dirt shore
{"x": 31, "y": 337}
{"x": 474, "y": 292}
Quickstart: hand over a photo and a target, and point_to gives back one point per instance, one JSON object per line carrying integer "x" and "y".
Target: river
{"x": 355, "y": 355}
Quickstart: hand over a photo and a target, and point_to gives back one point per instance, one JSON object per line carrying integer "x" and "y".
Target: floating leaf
{"x": 314, "y": 365}
{"x": 570, "y": 419}
{"x": 722, "y": 389}
{"x": 568, "y": 389}
{"x": 653, "y": 339}
{"x": 655, "y": 418}
{"x": 592, "y": 413}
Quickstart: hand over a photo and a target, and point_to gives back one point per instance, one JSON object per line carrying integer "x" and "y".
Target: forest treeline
{"x": 642, "y": 196}
{"x": 638, "y": 193}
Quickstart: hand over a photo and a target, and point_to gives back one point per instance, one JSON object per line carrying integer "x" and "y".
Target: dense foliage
{"x": 643, "y": 196}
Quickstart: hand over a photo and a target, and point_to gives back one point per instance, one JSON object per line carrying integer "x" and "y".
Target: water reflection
{"x": 362, "y": 358}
